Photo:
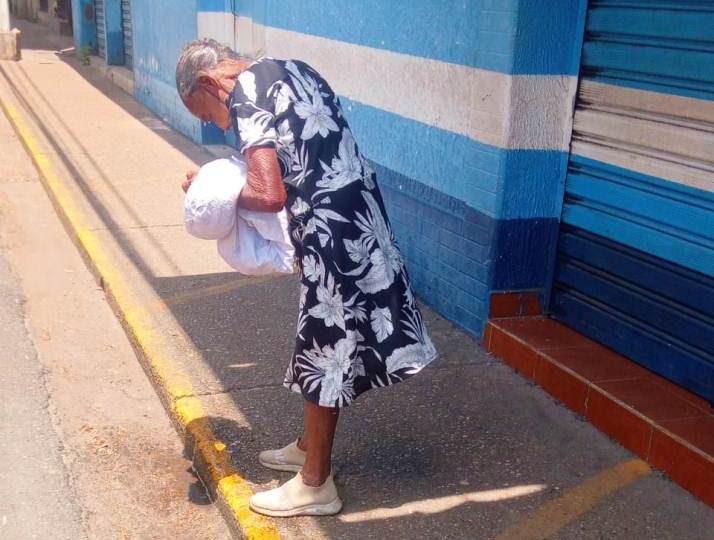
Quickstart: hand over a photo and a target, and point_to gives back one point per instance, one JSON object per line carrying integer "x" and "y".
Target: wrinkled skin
{"x": 264, "y": 191}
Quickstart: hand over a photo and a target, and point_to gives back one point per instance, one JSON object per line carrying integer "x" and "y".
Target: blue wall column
{"x": 113, "y": 32}
{"x": 84, "y": 25}
{"x": 548, "y": 42}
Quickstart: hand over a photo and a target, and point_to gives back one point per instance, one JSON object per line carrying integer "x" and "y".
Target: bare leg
{"x": 320, "y": 425}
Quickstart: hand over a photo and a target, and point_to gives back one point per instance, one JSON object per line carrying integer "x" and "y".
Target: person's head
{"x": 206, "y": 74}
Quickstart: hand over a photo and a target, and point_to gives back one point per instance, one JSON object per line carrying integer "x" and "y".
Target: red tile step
{"x": 518, "y": 304}
{"x": 669, "y": 427}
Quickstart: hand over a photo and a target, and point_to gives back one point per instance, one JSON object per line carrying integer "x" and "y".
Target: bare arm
{"x": 264, "y": 190}
{"x": 190, "y": 177}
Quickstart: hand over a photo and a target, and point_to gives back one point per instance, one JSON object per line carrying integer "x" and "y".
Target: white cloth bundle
{"x": 253, "y": 243}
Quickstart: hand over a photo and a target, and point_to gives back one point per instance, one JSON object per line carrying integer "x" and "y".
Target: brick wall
{"x": 463, "y": 107}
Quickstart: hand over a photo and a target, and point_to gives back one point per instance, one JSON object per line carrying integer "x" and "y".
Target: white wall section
{"x": 506, "y": 111}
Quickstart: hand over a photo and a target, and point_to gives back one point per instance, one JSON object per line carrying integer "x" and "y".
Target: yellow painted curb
{"x": 174, "y": 386}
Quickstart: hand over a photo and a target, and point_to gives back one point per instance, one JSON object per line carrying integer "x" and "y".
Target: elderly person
{"x": 358, "y": 324}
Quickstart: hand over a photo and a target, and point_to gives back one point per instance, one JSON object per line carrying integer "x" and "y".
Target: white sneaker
{"x": 290, "y": 458}
{"x": 294, "y": 498}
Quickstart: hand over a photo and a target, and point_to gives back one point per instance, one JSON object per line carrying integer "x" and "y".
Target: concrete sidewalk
{"x": 467, "y": 449}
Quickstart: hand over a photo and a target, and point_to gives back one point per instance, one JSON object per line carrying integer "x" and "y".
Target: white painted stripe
{"x": 507, "y": 111}
{"x": 649, "y": 165}
{"x": 663, "y": 135}
{"x": 540, "y": 112}
{"x": 645, "y": 101}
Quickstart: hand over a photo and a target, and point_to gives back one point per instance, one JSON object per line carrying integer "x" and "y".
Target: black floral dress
{"x": 358, "y": 325}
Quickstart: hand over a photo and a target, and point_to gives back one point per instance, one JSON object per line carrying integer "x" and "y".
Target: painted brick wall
{"x": 446, "y": 244}
{"x": 464, "y": 109}
{"x": 469, "y": 140}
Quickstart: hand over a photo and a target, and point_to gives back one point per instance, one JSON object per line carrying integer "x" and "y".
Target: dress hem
{"x": 296, "y": 388}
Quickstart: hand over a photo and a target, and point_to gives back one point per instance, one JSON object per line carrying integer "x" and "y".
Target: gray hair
{"x": 197, "y": 56}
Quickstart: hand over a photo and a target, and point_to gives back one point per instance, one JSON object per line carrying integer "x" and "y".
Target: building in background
{"x": 56, "y": 14}
{"x": 556, "y": 149}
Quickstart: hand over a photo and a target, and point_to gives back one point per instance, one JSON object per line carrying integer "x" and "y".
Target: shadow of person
{"x": 197, "y": 492}
{"x": 229, "y": 448}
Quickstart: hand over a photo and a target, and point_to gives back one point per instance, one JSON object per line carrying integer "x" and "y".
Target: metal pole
{"x": 4, "y": 15}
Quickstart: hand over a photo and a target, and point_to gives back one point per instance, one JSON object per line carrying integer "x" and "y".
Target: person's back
{"x": 289, "y": 102}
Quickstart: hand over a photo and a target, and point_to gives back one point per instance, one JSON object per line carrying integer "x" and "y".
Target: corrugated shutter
{"x": 635, "y": 266}
{"x": 101, "y": 33}
{"x": 127, "y": 31}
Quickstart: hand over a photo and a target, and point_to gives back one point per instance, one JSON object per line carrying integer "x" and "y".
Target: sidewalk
{"x": 467, "y": 449}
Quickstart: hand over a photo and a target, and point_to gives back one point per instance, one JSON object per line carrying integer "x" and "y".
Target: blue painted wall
{"x": 83, "y": 24}
{"x": 113, "y": 32}
{"x": 161, "y": 28}
{"x": 509, "y": 36}
{"x": 470, "y": 217}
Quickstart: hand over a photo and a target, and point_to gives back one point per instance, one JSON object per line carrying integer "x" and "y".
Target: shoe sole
{"x": 328, "y": 509}
{"x": 290, "y": 467}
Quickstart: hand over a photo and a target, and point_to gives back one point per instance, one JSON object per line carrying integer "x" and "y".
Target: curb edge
{"x": 208, "y": 453}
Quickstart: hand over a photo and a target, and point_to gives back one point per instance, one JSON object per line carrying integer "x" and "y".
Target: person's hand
{"x": 190, "y": 176}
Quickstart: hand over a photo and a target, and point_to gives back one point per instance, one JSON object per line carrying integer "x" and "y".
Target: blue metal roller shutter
{"x": 635, "y": 267}
{"x": 128, "y": 34}
{"x": 101, "y": 33}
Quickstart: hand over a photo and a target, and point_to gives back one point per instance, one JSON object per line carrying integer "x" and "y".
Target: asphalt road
{"x": 36, "y": 498}
{"x": 87, "y": 449}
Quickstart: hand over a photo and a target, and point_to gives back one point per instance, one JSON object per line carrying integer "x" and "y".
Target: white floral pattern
{"x": 247, "y": 82}
{"x": 382, "y": 326}
{"x": 358, "y": 324}
{"x": 309, "y": 105}
{"x": 257, "y": 127}
{"x": 329, "y": 306}
{"x": 346, "y": 166}
{"x": 384, "y": 261}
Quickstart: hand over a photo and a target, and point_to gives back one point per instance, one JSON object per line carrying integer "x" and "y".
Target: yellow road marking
{"x": 556, "y": 514}
{"x": 185, "y": 297}
{"x": 188, "y": 410}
